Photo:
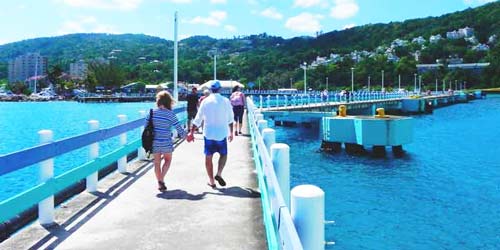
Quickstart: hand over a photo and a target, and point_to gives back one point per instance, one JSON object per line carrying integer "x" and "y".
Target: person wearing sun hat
{"x": 217, "y": 115}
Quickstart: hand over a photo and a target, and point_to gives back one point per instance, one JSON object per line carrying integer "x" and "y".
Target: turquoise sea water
{"x": 20, "y": 122}
{"x": 444, "y": 194}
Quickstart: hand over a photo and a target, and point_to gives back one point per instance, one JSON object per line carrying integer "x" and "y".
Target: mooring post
{"x": 122, "y": 162}
{"x": 46, "y": 206}
{"x": 308, "y": 215}
{"x": 141, "y": 153}
{"x": 92, "y": 179}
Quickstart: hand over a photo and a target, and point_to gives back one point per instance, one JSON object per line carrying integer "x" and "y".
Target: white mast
{"x": 176, "y": 92}
{"x": 36, "y": 72}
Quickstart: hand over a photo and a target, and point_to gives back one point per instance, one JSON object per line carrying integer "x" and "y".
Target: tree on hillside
{"x": 108, "y": 75}
{"x": 54, "y": 76}
{"x": 491, "y": 75}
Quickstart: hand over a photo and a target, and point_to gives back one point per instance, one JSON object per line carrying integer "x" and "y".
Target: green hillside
{"x": 275, "y": 61}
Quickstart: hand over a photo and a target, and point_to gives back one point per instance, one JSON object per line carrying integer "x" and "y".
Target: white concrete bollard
{"x": 259, "y": 117}
{"x": 141, "y": 153}
{"x": 122, "y": 162}
{"x": 280, "y": 155}
{"x": 92, "y": 179}
{"x": 269, "y": 137}
{"x": 308, "y": 215}
{"x": 46, "y": 206}
{"x": 261, "y": 124}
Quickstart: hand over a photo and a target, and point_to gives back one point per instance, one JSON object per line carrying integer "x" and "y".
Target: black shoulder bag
{"x": 148, "y": 134}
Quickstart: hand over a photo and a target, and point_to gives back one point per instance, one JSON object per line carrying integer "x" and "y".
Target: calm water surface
{"x": 20, "y": 122}
{"x": 444, "y": 194}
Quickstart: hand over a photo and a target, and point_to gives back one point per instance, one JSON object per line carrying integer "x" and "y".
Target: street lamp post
{"x": 369, "y": 79}
{"x": 415, "y": 85}
{"x": 382, "y": 80}
{"x": 213, "y": 52}
{"x": 419, "y": 84}
{"x": 352, "y": 80}
{"x": 399, "y": 82}
{"x": 327, "y": 83}
{"x": 290, "y": 82}
{"x": 305, "y": 77}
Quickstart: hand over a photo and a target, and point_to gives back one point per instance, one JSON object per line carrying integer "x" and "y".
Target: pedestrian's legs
{"x": 157, "y": 162}
{"x": 222, "y": 163}
{"x": 166, "y": 164}
{"x": 210, "y": 169}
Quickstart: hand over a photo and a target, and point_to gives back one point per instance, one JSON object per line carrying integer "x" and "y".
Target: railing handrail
{"x": 14, "y": 161}
{"x": 27, "y": 157}
{"x": 272, "y": 197}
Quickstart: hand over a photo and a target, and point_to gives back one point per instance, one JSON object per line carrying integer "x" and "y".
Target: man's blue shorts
{"x": 213, "y": 146}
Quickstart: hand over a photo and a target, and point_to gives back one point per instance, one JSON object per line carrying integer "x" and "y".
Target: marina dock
{"x": 128, "y": 212}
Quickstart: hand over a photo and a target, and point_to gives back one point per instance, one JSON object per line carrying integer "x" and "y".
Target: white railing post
{"x": 141, "y": 153}
{"x": 280, "y": 155}
{"x": 260, "y": 101}
{"x": 269, "y": 137}
{"x": 308, "y": 215}
{"x": 46, "y": 206}
{"x": 122, "y": 162}
{"x": 92, "y": 179}
{"x": 259, "y": 116}
{"x": 261, "y": 125}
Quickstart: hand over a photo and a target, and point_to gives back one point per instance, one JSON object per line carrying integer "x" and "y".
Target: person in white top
{"x": 217, "y": 115}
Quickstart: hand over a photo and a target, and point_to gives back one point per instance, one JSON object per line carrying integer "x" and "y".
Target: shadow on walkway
{"x": 60, "y": 232}
{"x": 178, "y": 194}
{"x": 238, "y": 192}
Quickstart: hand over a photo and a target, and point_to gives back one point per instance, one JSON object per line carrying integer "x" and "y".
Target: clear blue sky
{"x": 24, "y": 19}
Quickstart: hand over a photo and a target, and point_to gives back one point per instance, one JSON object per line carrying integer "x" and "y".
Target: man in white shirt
{"x": 217, "y": 114}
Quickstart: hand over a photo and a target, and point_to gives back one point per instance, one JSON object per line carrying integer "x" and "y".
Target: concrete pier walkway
{"x": 128, "y": 212}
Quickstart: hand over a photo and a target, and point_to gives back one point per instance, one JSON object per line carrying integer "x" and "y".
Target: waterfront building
{"x": 481, "y": 47}
{"x": 454, "y": 35}
{"x": 492, "y": 39}
{"x": 435, "y": 38}
{"x": 25, "y": 66}
{"x": 78, "y": 69}
{"x": 466, "y": 32}
{"x": 418, "y": 40}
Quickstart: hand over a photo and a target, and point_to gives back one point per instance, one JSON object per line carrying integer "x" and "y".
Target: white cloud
{"x": 214, "y": 19}
{"x": 344, "y": 9}
{"x": 473, "y": 2}
{"x": 272, "y": 13}
{"x": 230, "y": 28}
{"x": 308, "y": 3}
{"x": 305, "y": 22}
{"x": 218, "y": 1}
{"x": 348, "y": 26}
{"x": 103, "y": 4}
{"x": 180, "y": 1}
{"x": 87, "y": 24}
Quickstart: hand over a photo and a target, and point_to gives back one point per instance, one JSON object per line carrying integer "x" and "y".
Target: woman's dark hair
{"x": 164, "y": 98}
{"x": 236, "y": 88}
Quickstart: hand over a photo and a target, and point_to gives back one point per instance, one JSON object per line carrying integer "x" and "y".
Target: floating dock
{"x": 356, "y": 132}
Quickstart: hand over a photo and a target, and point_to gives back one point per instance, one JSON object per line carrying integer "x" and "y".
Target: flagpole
{"x": 176, "y": 92}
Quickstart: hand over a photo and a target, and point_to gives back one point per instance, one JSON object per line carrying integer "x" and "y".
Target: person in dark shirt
{"x": 192, "y": 105}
